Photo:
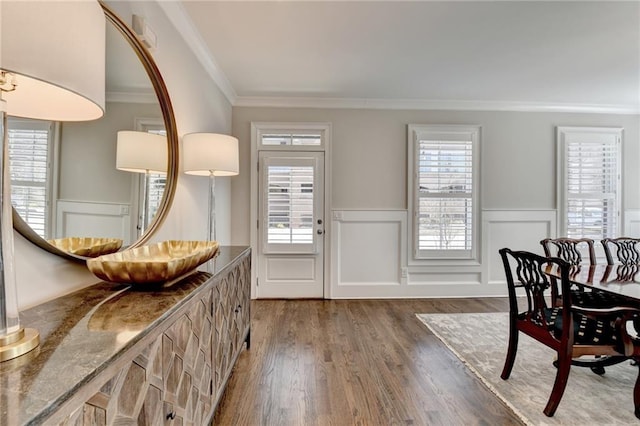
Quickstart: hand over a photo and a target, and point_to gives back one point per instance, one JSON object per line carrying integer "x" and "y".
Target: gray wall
{"x": 88, "y": 155}
{"x": 369, "y": 156}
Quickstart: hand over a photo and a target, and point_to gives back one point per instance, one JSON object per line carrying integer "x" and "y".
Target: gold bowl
{"x": 87, "y": 246}
{"x": 155, "y": 263}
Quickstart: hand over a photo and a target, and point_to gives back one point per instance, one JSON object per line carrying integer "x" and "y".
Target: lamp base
{"x": 18, "y": 343}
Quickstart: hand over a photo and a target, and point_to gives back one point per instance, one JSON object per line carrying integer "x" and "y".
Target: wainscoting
{"x": 632, "y": 223}
{"x": 370, "y": 249}
{"x": 89, "y": 219}
{"x": 368, "y": 254}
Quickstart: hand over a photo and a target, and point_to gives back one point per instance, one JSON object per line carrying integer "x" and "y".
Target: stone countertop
{"x": 82, "y": 333}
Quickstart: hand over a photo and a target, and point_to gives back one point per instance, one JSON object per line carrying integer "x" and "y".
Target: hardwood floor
{"x": 356, "y": 362}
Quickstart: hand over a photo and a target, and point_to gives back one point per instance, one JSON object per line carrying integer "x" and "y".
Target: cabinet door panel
{"x": 167, "y": 383}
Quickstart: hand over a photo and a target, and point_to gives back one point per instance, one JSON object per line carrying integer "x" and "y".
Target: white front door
{"x": 290, "y": 225}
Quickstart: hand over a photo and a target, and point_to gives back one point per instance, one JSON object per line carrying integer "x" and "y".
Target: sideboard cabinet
{"x": 173, "y": 351}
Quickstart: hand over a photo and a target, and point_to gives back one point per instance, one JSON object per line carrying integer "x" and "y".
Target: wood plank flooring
{"x": 356, "y": 362}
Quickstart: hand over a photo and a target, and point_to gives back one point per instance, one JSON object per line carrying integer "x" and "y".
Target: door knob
{"x": 320, "y": 231}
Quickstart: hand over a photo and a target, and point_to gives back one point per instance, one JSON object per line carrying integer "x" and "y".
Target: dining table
{"x": 620, "y": 280}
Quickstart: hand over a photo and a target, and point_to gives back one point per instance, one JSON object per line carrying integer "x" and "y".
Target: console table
{"x": 114, "y": 354}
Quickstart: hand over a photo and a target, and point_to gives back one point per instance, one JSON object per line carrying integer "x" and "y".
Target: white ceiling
{"x": 453, "y": 54}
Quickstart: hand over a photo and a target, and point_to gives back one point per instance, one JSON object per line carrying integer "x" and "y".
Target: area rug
{"x": 480, "y": 341}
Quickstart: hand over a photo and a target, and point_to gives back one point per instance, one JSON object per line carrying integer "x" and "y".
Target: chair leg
{"x": 636, "y": 393}
{"x": 511, "y": 352}
{"x": 562, "y": 376}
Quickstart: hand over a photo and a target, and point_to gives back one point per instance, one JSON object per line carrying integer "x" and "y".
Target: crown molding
{"x": 178, "y": 16}
{"x": 424, "y": 104}
{"x": 180, "y": 19}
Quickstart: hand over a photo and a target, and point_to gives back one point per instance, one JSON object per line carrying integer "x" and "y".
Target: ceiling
{"x": 582, "y": 56}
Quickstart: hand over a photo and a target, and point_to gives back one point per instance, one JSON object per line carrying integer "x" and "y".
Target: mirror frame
{"x": 172, "y": 145}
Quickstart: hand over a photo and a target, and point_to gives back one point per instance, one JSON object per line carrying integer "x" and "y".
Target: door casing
{"x": 257, "y": 129}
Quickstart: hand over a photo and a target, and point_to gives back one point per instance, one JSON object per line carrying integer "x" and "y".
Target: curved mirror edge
{"x": 169, "y": 121}
{"x": 25, "y": 230}
{"x": 172, "y": 144}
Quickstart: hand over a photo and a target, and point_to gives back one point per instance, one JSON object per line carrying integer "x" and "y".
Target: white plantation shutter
{"x": 288, "y": 207}
{"x": 157, "y": 183}
{"x": 290, "y": 204}
{"x": 444, "y": 191}
{"x": 29, "y": 147}
{"x": 590, "y": 185}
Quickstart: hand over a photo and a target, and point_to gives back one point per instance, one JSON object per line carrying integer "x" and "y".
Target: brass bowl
{"x": 155, "y": 263}
{"x": 87, "y": 246}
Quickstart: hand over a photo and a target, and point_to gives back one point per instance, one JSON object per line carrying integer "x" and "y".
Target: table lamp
{"x": 210, "y": 154}
{"x": 52, "y": 67}
{"x": 142, "y": 152}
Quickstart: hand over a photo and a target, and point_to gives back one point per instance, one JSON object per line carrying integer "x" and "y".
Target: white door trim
{"x": 256, "y": 129}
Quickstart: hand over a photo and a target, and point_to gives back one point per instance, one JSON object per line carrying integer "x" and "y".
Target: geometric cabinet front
{"x": 168, "y": 383}
{"x": 179, "y": 377}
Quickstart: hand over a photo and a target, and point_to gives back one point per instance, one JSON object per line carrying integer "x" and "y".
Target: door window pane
{"x": 290, "y": 204}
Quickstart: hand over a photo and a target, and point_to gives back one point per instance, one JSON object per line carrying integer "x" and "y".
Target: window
{"x": 296, "y": 139}
{"x": 443, "y": 191}
{"x": 156, "y": 185}
{"x": 29, "y": 149}
{"x": 589, "y": 182}
{"x": 156, "y": 181}
{"x": 290, "y": 204}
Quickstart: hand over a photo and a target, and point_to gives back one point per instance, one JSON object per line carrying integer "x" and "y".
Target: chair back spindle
{"x": 627, "y": 250}
{"x": 569, "y": 249}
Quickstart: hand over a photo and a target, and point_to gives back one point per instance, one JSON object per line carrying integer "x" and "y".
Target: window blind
{"x": 445, "y": 195}
{"x": 290, "y": 204}
{"x": 592, "y": 182}
{"x": 157, "y": 183}
{"x": 28, "y": 155}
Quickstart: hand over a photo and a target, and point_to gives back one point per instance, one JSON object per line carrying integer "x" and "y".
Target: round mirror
{"x": 77, "y": 193}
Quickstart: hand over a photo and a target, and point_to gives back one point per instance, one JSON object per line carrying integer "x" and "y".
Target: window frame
{"x": 563, "y": 134}
{"x": 415, "y": 133}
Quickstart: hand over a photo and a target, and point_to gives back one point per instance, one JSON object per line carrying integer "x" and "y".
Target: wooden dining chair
{"x": 572, "y": 331}
{"x": 571, "y": 251}
{"x": 625, "y": 249}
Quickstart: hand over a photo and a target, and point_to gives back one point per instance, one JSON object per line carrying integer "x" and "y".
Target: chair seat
{"x": 596, "y": 299}
{"x": 586, "y": 331}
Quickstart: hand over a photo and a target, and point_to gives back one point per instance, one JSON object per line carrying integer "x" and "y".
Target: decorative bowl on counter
{"x": 87, "y": 246}
{"x": 152, "y": 264}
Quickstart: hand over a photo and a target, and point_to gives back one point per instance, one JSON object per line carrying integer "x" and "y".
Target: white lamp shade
{"x": 56, "y": 50}
{"x": 210, "y": 153}
{"x": 141, "y": 152}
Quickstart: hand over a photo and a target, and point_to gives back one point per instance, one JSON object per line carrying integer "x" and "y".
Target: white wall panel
{"x": 518, "y": 230}
{"x": 632, "y": 223}
{"x": 287, "y": 268}
{"x": 368, "y": 252}
{"x": 435, "y": 278}
{"x": 369, "y": 256}
{"x": 85, "y": 219}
